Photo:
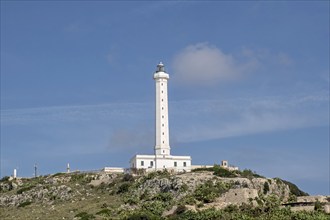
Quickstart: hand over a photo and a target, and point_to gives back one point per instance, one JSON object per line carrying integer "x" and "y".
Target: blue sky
{"x": 249, "y": 82}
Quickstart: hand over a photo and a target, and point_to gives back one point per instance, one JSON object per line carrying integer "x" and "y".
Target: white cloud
{"x": 204, "y": 64}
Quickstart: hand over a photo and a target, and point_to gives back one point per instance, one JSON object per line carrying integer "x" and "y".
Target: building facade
{"x": 162, "y": 158}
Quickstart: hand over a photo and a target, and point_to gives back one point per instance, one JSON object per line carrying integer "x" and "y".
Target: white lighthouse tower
{"x": 162, "y": 158}
{"x": 162, "y": 146}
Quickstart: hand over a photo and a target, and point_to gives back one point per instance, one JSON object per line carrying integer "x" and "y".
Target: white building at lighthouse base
{"x": 161, "y": 162}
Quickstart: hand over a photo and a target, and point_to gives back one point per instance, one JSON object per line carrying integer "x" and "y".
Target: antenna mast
{"x": 35, "y": 170}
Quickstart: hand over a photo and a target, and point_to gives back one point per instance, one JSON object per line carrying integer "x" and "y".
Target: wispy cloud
{"x": 127, "y": 124}
{"x": 232, "y": 118}
{"x": 82, "y": 113}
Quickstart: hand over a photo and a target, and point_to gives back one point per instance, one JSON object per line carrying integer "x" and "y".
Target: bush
{"x": 124, "y": 187}
{"x": 180, "y": 209}
{"x": 85, "y": 216}
{"x": 203, "y": 169}
{"x": 163, "y": 197}
{"x": 104, "y": 212}
{"x": 208, "y": 191}
{"x": 293, "y": 188}
{"x": 78, "y": 178}
{"x": 128, "y": 178}
{"x": 219, "y": 171}
{"x": 231, "y": 208}
{"x": 141, "y": 215}
{"x": 131, "y": 199}
{"x": 208, "y": 214}
{"x": 155, "y": 207}
{"x": 23, "y": 204}
{"x": 27, "y": 188}
{"x": 188, "y": 200}
{"x": 266, "y": 188}
{"x": 58, "y": 174}
{"x": 4, "y": 179}
{"x": 318, "y": 206}
{"x": 249, "y": 174}
{"x": 184, "y": 188}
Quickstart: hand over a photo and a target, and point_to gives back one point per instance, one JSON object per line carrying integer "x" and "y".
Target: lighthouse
{"x": 162, "y": 146}
{"x": 162, "y": 158}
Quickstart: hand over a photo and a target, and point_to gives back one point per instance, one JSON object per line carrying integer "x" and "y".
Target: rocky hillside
{"x": 158, "y": 195}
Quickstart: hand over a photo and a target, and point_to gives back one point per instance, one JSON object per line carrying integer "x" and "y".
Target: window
{"x": 162, "y": 108}
{"x": 162, "y": 83}
{"x": 163, "y": 152}
{"x": 162, "y": 116}
{"x": 163, "y": 133}
{"x": 142, "y": 163}
{"x": 163, "y": 125}
{"x": 184, "y": 164}
{"x": 151, "y": 163}
{"x": 175, "y": 164}
{"x": 162, "y": 91}
{"x": 162, "y": 100}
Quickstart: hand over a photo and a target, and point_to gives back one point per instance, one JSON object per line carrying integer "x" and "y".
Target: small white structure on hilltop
{"x": 68, "y": 168}
{"x": 225, "y": 165}
{"x": 113, "y": 170}
{"x": 162, "y": 159}
{"x": 15, "y": 174}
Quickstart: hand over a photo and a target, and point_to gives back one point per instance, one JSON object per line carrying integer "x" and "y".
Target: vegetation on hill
{"x": 157, "y": 195}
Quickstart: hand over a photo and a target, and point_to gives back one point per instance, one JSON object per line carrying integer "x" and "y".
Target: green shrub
{"x": 141, "y": 215}
{"x": 128, "y": 177}
{"x": 155, "y": 207}
{"x": 219, "y": 171}
{"x": 292, "y": 198}
{"x": 164, "y": 197}
{"x": 203, "y": 169}
{"x": 58, "y": 174}
{"x": 266, "y": 188}
{"x": 184, "y": 187}
{"x": 208, "y": 214}
{"x": 105, "y": 212}
{"x": 231, "y": 208}
{"x": 84, "y": 216}
{"x": 208, "y": 191}
{"x": 293, "y": 188}
{"x": 318, "y": 206}
{"x": 124, "y": 187}
{"x": 23, "y": 204}
{"x": 131, "y": 199}
{"x": 249, "y": 174}
{"x": 180, "y": 209}
{"x": 27, "y": 188}
{"x": 104, "y": 205}
{"x": 188, "y": 200}
{"x": 159, "y": 173}
{"x": 82, "y": 178}
{"x": 4, "y": 179}
{"x": 145, "y": 195}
